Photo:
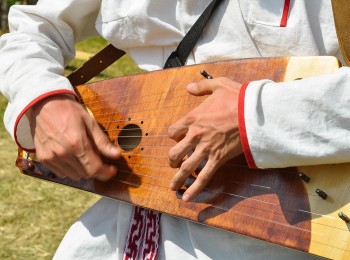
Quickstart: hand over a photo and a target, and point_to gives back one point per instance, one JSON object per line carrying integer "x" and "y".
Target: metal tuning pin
{"x": 344, "y": 217}
{"x": 304, "y": 177}
{"x": 31, "y": 165}
{"x": 321, "y": 193}
{"x": 205, "y": 74}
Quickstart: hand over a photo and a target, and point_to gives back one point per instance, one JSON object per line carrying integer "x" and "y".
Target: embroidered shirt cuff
{"x": 242, "y": 127}
{"x": 22, "y": 132}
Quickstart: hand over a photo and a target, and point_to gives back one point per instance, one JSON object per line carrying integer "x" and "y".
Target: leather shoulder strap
{"x": 341, "y": 13}
{"x": 110, "y": 54}
{"x": 95, "y": 65}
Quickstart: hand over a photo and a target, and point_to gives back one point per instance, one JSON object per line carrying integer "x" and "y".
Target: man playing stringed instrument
{"x": 258, "y": 119}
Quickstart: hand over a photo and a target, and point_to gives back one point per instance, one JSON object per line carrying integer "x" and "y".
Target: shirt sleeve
{"x": 33, "y": 55}
{"x": 303, "y": 122}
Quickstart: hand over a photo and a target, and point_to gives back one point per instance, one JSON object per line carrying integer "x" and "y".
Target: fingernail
{"x": 114, "y": 150}
{"x": 186, "y": 197}
{"x": 172, "y": 186}
{"x": 114, "y": 169}
{"x": 191, "y": 86}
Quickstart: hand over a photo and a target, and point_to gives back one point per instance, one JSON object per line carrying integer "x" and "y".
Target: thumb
{"x": 102, "y": 142}
{"x": 203, "y": 87}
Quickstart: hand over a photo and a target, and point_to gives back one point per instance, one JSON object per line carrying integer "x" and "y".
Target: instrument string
{"x": 148, "y": 137}
{"x": 169, "y": 171}
{"x": 137, "y": 128}
{"x": 163, "y": 147}
{"x": 165, "y": 165}
{"x": 130, "y": 94}
{"x": 137, "y": 136}
{"x": 158, "y": 109}
{"x": 166, "y": 170}
{"x": 205, "y": 189}
{"x": 147, "y": 147}
{"x": 255, "y": 216}
{"x": 253, "y": 209}
{"x": 142, "y": 119}
{"x": 288, "y": 225}
{"x": 120, "y": 100}
{"x": 162, "y": 96}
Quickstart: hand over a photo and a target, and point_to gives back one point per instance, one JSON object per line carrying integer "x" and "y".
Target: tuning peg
{"x": 304, "y": 177}
{"x": 205, "y": 74}
{"x": 344, "y": 217}
{"x": 321, "y": 193}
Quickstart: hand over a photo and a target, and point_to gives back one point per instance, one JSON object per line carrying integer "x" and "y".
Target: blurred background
{"x": 34, "y": 214}
{"x": 5, "y": 6}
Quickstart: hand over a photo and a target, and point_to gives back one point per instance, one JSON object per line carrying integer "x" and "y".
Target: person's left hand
{"x": 210, "y": 131}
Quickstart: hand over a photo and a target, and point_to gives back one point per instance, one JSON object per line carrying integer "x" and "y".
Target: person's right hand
{"x": 69, "y": 142}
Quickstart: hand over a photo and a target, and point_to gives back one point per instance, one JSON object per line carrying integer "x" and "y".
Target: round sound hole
{"x": 130, "y": 137}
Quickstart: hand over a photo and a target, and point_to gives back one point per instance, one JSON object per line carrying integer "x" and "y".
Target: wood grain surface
{"x": 273, "y": 205}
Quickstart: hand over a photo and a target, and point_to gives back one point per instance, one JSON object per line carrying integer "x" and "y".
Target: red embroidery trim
{"x": 285, "y": 13}
{"x": 151, "y": 238}
{"x": 242, "y": 128}
{"x": 143, "y": 238}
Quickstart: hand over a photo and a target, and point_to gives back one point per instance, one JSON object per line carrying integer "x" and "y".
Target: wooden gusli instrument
{"x": 303, "y": 208}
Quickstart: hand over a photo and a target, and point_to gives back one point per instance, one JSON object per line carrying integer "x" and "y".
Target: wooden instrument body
{"x": 274, "y": 205}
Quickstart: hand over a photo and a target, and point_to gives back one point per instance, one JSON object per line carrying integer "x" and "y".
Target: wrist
{"x": 35, "y": 109}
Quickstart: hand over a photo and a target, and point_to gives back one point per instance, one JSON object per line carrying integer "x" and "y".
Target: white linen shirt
{"x": 315, "y": 111}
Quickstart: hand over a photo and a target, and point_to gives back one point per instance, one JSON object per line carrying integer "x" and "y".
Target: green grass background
{"x": 34, "y": 214}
